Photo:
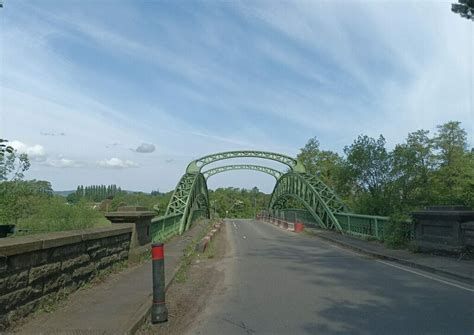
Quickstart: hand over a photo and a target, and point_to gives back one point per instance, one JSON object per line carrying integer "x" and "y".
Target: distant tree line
{"x": 95, "y": 193}
{"x": 237, "y": 202}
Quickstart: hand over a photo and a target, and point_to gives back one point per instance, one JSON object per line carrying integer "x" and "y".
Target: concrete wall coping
{"x": 125, "y": 214}
{"x": 18, "y": 245}
{"x": 430, "y": 213}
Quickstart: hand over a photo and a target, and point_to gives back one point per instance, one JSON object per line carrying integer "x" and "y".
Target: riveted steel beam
{"x": 196, "y": 165}
{"x": 191, "y": 195}
{"x": 318, "y": 198}
{"x": 272, "y": 172}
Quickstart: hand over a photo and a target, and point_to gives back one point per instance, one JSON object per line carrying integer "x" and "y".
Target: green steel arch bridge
{"x": 323, "y": 207}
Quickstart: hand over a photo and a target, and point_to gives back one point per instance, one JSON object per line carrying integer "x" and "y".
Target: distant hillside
{"x": 64, "y": 193}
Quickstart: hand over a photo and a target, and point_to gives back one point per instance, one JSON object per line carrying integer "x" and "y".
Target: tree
{"x": 237, "y": 203}
{"x": 451, "y": 141}
{"x": 465, "y": 8}
{"x": 12, "y": 165}
{"x": 5, "y": 149}
{"x": 20, "y": 199}
{"x": 412, "y": 165}
{"x": 309, "y": 155}
{"x": 453, "y": 180}
{"x": 367, "y": 169}
{"x": 323, "y": 163}
{"x": 368, "y": 162}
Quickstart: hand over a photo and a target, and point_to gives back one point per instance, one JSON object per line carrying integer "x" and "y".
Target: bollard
{"x": 159, "y": 312}
{"x": 299, "y": 227}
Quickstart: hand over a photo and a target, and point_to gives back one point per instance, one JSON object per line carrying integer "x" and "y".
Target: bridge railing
{"x": 277, "y": 221}
{"x": 164, "y": 227}
{"x": 363, "y": 225}
{"x": 367, "y": 226}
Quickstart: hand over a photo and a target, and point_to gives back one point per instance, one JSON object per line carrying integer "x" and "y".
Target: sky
{"x": 129, "y": 92}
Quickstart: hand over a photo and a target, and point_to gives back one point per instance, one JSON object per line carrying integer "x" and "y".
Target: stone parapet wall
{"x": 36, "y": 268}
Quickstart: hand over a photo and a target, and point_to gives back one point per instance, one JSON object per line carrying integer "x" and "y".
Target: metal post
{"x": 159, "y": 312}
{"x": 376, "y": 229}
{"x": 255, "y": 204}
{"x": 348, "y": 223}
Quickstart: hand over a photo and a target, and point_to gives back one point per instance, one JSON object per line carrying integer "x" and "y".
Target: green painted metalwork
{"x": 190, "y": 198}
{"x": 354, "y": 224}
{"x": 189, "y": 195}
{"x": 317, "y": 197}
{"x": 272, "y": 172}
{"x": 196, "y": 165}
{"x": 363, "y": 225}
{"x": 164, "y": 227}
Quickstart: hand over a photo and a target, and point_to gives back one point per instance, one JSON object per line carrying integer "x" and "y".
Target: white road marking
{"x": 427, "y": 276}
{"x": 401, "y": 268}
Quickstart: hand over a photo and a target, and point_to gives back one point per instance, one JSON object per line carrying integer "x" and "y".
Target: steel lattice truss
{"x": 196, "y": 165}
{"x": 191, "y": 193}
{"x": 317, "y": 197}
{"x": 272, "y": 172}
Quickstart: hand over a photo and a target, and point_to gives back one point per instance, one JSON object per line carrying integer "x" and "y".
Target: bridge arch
{"x": 196, "y": 165}
{"x": 272, "y": 172}
{"x": 319, "y": 199}
{"x": 190, "y": 197}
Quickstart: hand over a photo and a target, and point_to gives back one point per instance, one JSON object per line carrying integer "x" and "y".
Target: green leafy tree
{"x": 12, "y": 164}
{"x": 54, "y": 214}
{"x": 453, "y": 179}
{"x": 20, "y": 199}
{"x": 323, "y": 163}
{"x": 465, "y": 8}
{"x": 412, "y": 166}
{"x": 237, "y": 203}
{"x": 367, "y": 169}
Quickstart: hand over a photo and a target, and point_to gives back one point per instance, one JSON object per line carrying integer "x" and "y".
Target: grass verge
{"x": 189, "y": 253}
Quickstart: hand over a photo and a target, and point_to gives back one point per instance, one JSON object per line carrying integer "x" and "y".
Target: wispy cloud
{"x": 203, "y": 77}
{"x": 116, "y": 163}
{"x": 64, "y": 163}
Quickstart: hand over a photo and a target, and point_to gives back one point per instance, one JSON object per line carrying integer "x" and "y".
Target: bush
{"x": 398, "y": 231}
{"x": 141, "y": 199}
{"x": 55, "y": 214}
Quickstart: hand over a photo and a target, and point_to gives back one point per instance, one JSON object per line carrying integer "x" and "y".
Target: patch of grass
{"x": 210, "y": 251}
{"x": 189, "y": 253}
{"x": 52, "y": 303}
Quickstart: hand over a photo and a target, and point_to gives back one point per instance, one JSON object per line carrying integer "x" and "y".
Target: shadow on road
{"x": 369, "y": 297}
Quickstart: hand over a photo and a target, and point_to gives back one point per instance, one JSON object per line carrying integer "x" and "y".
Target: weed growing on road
{"x": 189, "y": 253}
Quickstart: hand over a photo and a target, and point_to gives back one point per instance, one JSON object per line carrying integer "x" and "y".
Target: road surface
{"x": 277, "y": 282}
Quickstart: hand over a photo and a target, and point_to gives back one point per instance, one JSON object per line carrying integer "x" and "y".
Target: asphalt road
{"x": 278, "y": 282}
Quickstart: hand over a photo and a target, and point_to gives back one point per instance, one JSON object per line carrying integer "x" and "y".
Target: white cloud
{"x": 35, "y": 152}
{"x": 116, "y": 163}
{"x": 63, "y": 163}
{"x": 145, "y": 148}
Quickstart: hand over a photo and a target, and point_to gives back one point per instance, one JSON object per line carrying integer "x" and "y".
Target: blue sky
{"x": 128, "y": 92}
